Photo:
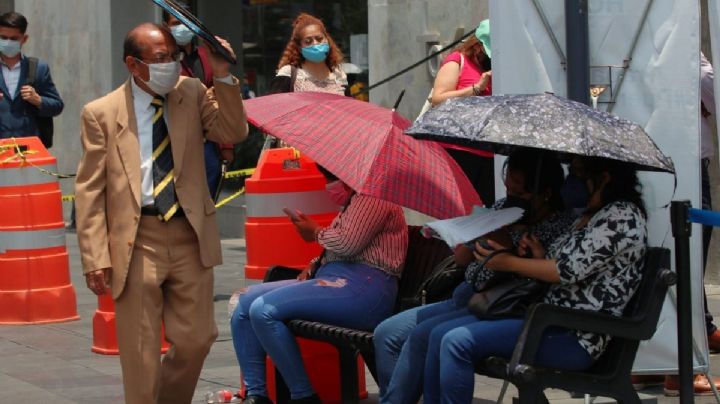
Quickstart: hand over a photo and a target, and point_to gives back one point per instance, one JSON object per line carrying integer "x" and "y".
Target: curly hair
{"x": 467, "y": 48}
{"x": 292, "y": 54}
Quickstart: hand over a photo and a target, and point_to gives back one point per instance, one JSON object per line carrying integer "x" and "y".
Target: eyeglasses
{"x": 175, "y": 57}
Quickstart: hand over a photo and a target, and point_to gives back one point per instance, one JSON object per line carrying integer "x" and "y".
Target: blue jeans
{"x": 344, "y": 294}
{"x": 398, "y": 362}
{"x": 456, "y": 345}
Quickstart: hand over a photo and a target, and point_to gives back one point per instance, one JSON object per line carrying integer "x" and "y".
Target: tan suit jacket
{"x": 107, "y": 187}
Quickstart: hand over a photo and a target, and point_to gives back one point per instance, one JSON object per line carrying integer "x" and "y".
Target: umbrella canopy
{"x": 364, "y": 145}
{"x": 543, "y": 121}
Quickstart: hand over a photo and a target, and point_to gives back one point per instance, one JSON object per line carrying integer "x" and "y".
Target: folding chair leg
{"x": 349, "y": 389}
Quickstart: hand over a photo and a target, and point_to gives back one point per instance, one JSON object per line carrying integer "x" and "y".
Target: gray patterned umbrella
{"x": 543, "y": 121}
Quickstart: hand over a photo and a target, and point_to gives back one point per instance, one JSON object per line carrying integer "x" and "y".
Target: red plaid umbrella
{"x": 364, "y": 145}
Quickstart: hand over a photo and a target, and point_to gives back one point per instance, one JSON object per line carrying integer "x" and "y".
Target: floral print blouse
{"x": 546, "y": 231}
{"x": 600, "y": 266}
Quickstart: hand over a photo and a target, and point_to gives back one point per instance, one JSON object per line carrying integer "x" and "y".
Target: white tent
{"x": 658, "y": 89}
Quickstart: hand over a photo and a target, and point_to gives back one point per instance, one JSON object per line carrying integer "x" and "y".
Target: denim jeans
{"x": 344, "y": 294}
{"x": 456, "y": 345}
{"x": 399, "y": 363}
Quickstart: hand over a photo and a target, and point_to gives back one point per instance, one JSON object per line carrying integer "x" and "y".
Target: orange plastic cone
{"x": 35, "y": 283}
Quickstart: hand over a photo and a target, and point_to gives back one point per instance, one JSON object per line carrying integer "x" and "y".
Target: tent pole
{"x": 577, "y": 48}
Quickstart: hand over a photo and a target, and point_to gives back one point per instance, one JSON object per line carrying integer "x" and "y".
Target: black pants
{"x": 706, "y": 235}
{"x": 480, "y": 171}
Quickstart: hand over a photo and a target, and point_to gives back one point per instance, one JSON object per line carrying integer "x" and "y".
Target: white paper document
{"x": 465, "y": 228}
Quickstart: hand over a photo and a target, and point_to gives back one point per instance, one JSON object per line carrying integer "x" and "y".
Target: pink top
{"x": 369, "y": 231}
{"x": 470, "y": 73}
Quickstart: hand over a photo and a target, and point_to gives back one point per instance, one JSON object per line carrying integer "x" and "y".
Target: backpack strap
{"x": 462, "y": 62}
{"x": 32, "y": 70}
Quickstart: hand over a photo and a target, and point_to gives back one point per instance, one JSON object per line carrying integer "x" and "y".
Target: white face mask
{"x": 182, "y": 34}
{"x": 10, "y": 48}
{"x": 163, "y": 76}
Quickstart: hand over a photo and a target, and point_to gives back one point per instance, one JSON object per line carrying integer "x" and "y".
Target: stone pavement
{"x": 53, "y": 363}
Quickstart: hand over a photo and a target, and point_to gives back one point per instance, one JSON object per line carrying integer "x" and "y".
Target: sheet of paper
{"x": 465, "y": 228}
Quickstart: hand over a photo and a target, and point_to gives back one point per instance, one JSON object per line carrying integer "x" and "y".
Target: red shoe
{"x": 714, "y": 341}
{"x": 641, "y": 382}
{"x": 701, "y": 385}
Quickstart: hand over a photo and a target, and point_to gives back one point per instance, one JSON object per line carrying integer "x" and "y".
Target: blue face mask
{"x": 9, "y": 47}
{"x": 316, "y": 53}
{"x": 182, "y": 34}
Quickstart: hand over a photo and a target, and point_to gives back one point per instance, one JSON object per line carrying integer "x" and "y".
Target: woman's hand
{"x": 482, "y": 84}
{"x": 530, "y": 243}
{"x": 463, "y": 255}
{"x": 306, "y": 226}
{"x": 500, "y": 262}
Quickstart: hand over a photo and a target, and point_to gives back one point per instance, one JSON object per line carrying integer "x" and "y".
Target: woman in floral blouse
{"x": 595, "y": 266}
{"x": 533, "y": 181}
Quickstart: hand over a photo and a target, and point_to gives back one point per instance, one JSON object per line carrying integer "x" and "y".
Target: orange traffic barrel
{"x": 286, "y": 179}
{"x": 283, "y": 179}
{"x": 104, "y": 330}
{"x": 35, "y": 283}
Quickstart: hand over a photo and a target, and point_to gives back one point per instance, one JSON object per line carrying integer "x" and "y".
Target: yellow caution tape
{"x": 239, "y": 173}
{"x": 70, "y": 198}
{"x": 230, "y": 198}
{"x": 22, "y": 156}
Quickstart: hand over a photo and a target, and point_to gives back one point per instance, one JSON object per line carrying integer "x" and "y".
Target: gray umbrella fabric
{"x": 542, "y": 121}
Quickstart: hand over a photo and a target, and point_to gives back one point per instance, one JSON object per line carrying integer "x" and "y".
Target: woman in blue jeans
{"x": 354, "y": 285}
{"x": 597, "y": 266}
{"x": 533, "y": 181}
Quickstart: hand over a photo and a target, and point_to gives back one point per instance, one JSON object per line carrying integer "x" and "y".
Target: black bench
{"x": 610, "y": 375}
{"x": 422, "y": 257}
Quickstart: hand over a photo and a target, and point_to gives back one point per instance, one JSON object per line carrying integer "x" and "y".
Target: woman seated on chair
{"x": 533, "y": 180}
{"x": 352, "y": 284}
{"x": 595, "y": 266}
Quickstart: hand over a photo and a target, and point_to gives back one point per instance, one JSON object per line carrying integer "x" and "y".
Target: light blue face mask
{"x": 9, "y": 47}
{"x": 182, "y": 34}
{"x": 316, "y": 53}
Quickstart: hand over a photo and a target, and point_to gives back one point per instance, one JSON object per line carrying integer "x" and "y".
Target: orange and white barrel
{"x": 283, "y": 179}
{"x": 35, "y": 282}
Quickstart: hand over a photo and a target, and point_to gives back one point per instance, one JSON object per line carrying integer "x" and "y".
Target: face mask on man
{"x": 182, "y": 34}
{"x": 316, "y": 53}
{"x": 9, "y": 47}
{"x": 338, "y": 192}
{"x": 163, "y": 76}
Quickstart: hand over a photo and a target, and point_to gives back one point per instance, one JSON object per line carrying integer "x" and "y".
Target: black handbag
{"x": 505, "y": 295}
{"x": 439, "y": 285}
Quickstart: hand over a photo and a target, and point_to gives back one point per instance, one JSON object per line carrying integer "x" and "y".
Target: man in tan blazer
{"x": 145, "y": 222}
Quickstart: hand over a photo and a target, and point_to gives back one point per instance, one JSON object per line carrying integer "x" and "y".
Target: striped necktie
{"x": 162, "y": 168}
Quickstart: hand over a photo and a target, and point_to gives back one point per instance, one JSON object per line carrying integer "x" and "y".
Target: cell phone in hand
{"x": 291, "y": 214}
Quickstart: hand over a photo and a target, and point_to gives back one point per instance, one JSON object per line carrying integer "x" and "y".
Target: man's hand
{"x": 99, "y": 281}
{"x": 29, "y": 94}
{"x": 220, "y": 66}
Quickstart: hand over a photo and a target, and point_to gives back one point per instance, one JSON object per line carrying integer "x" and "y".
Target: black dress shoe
{"x": 257, "y": 400}
{"x": 314, "y": 399}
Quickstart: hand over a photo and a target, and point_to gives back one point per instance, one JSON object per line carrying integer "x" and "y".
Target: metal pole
{"x": 682, "y": 230}
{"x": 577, "y": 47}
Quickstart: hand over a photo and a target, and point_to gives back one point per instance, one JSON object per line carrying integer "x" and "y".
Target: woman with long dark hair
{"x": 597, "y": 265}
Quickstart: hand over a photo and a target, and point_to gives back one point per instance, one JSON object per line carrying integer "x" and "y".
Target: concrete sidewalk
{"x": 53, "y": 363}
